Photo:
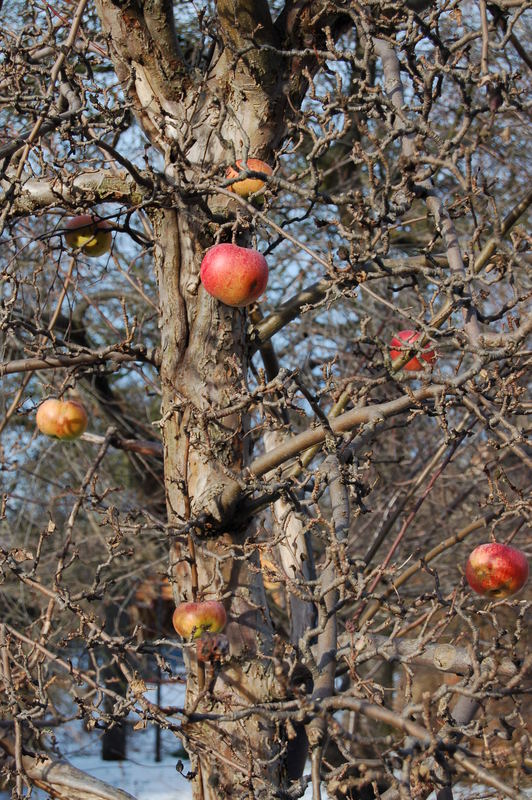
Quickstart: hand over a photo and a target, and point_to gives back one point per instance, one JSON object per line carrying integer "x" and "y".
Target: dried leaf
{"x": 137, "y": 686}
{"x": 18, "y": 554}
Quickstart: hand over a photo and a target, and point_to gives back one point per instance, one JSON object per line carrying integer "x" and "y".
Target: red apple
{"x": 64, "y": 419}
{"x": 234, "y": 275}
{"x": 401, "y": 341}
{"x": 90, "y": 233}
{"x": 192, "y": 619}
{"x": 496, "y": 570}
{"x": 247, "y": 186}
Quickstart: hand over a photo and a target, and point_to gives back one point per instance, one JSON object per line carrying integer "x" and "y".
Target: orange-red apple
{"x": 194, "y": 618}
{"x": 64, "y": 419}
{"x": 401, "y": 340}
{"x": 247, "y": 186}
{"x": 234, "y": 275}
{"x": 496, "y": 570}
{"x": 90, "y": 233}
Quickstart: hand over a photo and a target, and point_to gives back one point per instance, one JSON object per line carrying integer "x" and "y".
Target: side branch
{"x": 343, "y": 423}
{"x": 61, "y": 780}
{"x": 288, "y": 311}
{"x": 139, "y": 353}
{"x": 443, "y": 657}
{"x": 100, "y": 186}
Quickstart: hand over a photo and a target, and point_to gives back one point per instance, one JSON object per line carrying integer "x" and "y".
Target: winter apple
{"x": 192, "y": 619}
{"x": 64, "y": 419}
{"x": 247, "y": 186}
{"x": 404, "y": 338}
{"x": 90, "y": 233}
{"x": 496, "y": 570}
{"x": 234, "y": 275}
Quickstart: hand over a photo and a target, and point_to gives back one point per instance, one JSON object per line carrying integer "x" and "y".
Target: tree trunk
{"x": 204, "y": 359}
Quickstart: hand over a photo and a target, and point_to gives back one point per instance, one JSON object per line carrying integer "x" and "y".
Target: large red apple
{"x": 234, "y": 275}
{"x": 90, "y": 233}
{"x": 247, "y": 186}
{"x": 401, "y": 340}
{"x": 64, "y": 419}
{"x": 192, "y": 619}
{"x": 496, "y": 570}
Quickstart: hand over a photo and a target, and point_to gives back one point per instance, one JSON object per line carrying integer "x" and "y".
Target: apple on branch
{"x": 247, "y": 186}
{"x": 63, "y": 419}
{"x": 90, "y": 233}
{"x": 399, "y": 346}
{"x": 496, "y": 570}
{"x": 194, "y": 618}
{"x": 237, "y": 276}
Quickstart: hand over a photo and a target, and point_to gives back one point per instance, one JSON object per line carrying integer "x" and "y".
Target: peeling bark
{"x": 293, "y": 554}
{"x": 100, "y": 186}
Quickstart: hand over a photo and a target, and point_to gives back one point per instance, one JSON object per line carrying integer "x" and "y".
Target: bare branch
{"x": 97, "y": 186}
{"x": 443, "y": 657}
{"x": 137, "y": 353}
{"x": 358, "y": 416}
{"x": 61, "y": 779}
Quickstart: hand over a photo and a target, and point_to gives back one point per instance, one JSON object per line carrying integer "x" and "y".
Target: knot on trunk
{"x": 216, "y": 504}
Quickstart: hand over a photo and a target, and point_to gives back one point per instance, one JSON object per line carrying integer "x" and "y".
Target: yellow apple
{"x": 90, "y": 233}
{"x": 248, "y": 186}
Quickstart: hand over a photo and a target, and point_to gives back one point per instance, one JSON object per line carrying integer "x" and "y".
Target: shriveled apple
{"x": 250, "y": 185}
{"x": 212, "y": 647}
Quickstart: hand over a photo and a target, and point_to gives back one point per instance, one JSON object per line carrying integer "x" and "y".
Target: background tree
{"x": 274, "y": 457}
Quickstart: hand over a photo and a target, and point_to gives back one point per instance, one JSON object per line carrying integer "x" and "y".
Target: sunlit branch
{"x": 136, "y": 353}
{"x": 61, "y": 779}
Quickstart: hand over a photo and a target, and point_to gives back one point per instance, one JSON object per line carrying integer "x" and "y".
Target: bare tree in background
{"x": 274, "y": 457}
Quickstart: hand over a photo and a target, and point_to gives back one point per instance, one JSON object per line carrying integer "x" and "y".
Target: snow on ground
{"x": 140, "y": 774}
{"x": 144, "y": 779}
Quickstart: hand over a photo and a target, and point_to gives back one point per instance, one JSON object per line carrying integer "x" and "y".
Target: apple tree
{"x": 281, "y": 456}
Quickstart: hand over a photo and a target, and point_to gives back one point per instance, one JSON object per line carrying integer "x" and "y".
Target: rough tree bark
{"x": 203, "y": 361}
